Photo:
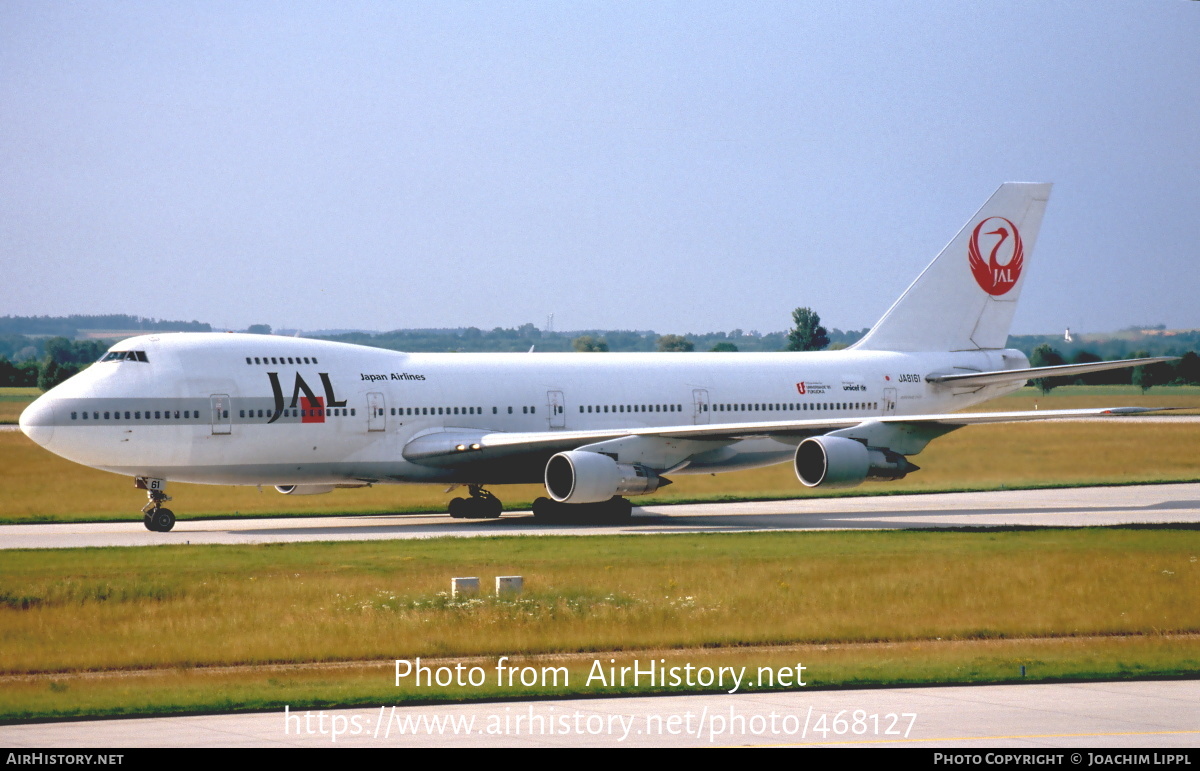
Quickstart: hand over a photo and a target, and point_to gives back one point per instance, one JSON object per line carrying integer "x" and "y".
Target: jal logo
{"x": 999, "y": 272}
{"x": 313, "y": 405}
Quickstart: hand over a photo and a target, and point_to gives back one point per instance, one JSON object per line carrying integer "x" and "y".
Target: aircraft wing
{"x": 1021, "y": 375}
{"x": 458, "y": 446}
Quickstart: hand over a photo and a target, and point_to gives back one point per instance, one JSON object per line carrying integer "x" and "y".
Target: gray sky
{"x": 680, "y": 166}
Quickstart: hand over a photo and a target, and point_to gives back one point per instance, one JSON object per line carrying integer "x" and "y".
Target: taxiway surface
{"x": 1071, "y": 507}
{"x": 1024, "y": 718}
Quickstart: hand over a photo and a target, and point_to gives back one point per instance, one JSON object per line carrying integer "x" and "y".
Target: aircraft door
{"x": 700, "y": 406}
{"x": 376, "y": 412}
{"x": 889, "y": 401}
{"x": 558, "y": 409}
{"x": 221, "y": 422}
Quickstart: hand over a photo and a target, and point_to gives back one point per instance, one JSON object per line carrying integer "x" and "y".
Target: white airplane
{"x": 308, "y": 416}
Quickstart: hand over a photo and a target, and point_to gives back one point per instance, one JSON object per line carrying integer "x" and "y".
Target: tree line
{"x": 1183, "y": 371}
{"x": 46, "y": 361}
{"x": 70, "y": 326}
{"x": 61, "y": 359}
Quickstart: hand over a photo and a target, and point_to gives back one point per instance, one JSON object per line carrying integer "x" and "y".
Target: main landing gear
{"x": 481, "y": 505}
{"x": 154, "y": 515}
{"x": 614, "y": 511}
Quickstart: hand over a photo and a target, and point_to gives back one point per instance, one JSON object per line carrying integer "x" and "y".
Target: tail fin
{"x": 965, "y": 299}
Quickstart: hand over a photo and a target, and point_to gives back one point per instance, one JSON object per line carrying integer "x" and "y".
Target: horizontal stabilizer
{"x": 1060, "y": 370}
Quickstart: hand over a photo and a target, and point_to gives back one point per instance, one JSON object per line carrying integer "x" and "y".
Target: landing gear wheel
{"x": 620, "y": 510}
{"x": 154, "y": 516}
{"x": 614, "y": 511}
{"x": 548, "y": 511}
{"x": 488, "y": 505}
{"x": 481, "y": 505}
{"x": 163, "y": 520}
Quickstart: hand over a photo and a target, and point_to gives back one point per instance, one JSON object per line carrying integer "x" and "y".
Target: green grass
{"x": 212, "y": 628}
{"x": 370, "y": 684}
{"x": 14, "y": 400}
{"x": 149, "y": 612}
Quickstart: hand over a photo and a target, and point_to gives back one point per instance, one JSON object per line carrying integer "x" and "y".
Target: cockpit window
{"x": 125, "y": 356}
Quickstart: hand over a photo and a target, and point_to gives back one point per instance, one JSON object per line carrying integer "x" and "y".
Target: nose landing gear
{"x": 481, "y": 505}
{"x": 155, "y": 517}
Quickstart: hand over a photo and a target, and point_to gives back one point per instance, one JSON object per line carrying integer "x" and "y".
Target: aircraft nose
{"x": 37, "y": 421}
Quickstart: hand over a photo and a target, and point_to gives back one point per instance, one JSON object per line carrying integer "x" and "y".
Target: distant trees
{"x": 69, "y": 326}
{"x": 724, "y": 348}
{"x": 1187, "y": 369}
{"x": 1045, "y": 356}
{"x": 1153, "y": 374}
{"x": 52, "y": 373}
{"x": 1084, "y": 357}
{"x": 675, "y": 343}
{"x": 65, "y": 358}
{"x": 259, "y": 329}
{"x": 589, "y": 344}
{"x": 23, "y": 357}
{"x": 22, "y": 375}
{"x": 808, "y": 334}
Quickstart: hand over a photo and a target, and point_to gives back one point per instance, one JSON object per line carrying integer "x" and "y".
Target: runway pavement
{"x": 1072, "y": 507}
{"x": 1020, "y": 718}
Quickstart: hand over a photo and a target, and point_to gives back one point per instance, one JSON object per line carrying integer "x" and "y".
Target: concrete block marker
{"x": 508, "y": 585}
{"x": 464, "y": 587}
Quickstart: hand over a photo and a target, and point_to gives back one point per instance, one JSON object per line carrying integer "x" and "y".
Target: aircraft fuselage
{"x": 263, "y": 410}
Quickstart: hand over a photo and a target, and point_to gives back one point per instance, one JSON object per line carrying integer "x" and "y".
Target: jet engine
{"x": 589, "y": 477}
{"x": 834, "y": 461}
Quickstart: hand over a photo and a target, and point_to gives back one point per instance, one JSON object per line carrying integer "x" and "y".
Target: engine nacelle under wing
{"x": 834, "y": 461}
{"x": 589, "y": 477}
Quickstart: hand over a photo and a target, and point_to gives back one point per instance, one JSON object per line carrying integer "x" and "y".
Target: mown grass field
{"x": 197, "y": 628}
{"x": 14, "y": 400}
{"x": 857, "y": 608}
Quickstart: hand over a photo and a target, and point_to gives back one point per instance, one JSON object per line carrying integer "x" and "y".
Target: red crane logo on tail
{"x": 999, "y": 273}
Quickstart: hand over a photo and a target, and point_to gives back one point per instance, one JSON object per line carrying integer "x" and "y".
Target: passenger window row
{"x": 797, "y": 406}
{"x": 631, "y": 408}
{"x": 137, "y": 415}
{"x": 526, "y": 410}
{"x": 281, "y": 360}
{"x": 295, "y": 412}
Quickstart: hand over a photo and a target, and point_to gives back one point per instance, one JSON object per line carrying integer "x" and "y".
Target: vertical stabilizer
{"x": 965, "y": 299}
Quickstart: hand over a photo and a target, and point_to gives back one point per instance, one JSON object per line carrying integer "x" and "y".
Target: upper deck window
{"x": 125, "y": 356}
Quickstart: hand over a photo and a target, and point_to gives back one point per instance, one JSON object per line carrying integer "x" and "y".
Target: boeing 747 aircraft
{"x": 309, "y": 416}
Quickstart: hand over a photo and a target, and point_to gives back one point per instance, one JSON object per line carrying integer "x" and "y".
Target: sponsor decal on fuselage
{"x": 809, "y": 388}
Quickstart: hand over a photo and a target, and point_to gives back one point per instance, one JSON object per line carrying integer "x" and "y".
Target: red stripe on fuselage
{"x": 312, "y": 411}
